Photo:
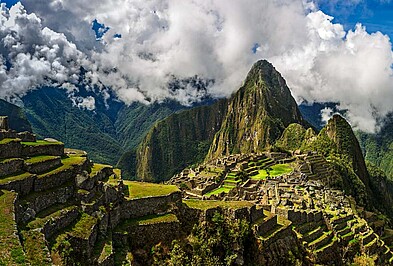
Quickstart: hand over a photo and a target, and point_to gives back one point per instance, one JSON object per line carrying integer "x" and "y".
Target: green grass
{"x": 39, "y": 159}
{"x": 208, "y": 204}
{"x": 117, "y": 172}
{"x": 67, "y": 164}
{"x": 106, "y": 250}
{"x": 11, "y": 252}
{"x": 97, "y": 168}
{"x": 34, "y": 244}
{"x": 16, "y": 177}
{"x": 262, "y": 175}
{"x": 41, "y": 143}
{"x": 83, "y": 228}
{"x": 273, "y": 171}
{"x": 219, "y": 190}
{"x": 6, "y": 141}
{"x": 141, "y": 189}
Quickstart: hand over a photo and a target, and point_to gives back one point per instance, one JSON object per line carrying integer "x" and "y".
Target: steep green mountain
{"x": 180, "y": 140}
{"x": 339, "y": 144}
{"x": 109, "y": 132}
{"x": 17, "y": 118}
{"x": 293, "y": 137}
{"x": 378, "y": 148}
{"x": 51, "y": 113}
{"x": 251, "y": 120}
{"x": 257, "y": 114}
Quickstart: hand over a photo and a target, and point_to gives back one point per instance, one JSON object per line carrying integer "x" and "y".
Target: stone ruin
{"x": 321, "y": 217}
{"x": 7, "y": 133}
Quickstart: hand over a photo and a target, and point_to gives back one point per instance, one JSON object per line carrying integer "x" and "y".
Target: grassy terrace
{"x": 6, "y": 141}
{"x": 35, "y": 246}
{"x": 97, "y": 168}
{"x": 16, "y": 177}
{"x": 219, "y": 190}
{"x": 273, "y": 171}
{"x": 51, "y": 213}
{"x": 67, "y": 163}
{"x": 82, "y": 229}
{"x": 11, "y": 252}
{"x": 39, "y": 159}
{"x": 141, "y": 189}
{"x": 41, "y": 143}
{"x": 146, "y": 220}
{"x": 208, "y": 204}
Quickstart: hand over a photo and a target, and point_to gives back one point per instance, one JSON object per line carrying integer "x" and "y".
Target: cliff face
{"x": 340, "y": 132}
{"x": 257, "y": 114}
{"x": 180, "y": 140}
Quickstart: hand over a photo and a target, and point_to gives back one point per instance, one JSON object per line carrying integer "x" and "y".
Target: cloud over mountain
{"x": 214, "y": 40}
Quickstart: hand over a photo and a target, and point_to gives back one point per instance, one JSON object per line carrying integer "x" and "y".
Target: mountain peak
{"x": 257, "y": 114}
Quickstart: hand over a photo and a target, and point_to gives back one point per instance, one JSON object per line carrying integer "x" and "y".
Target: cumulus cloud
{"x": 326, "y": 114}
{"x": 32, "y": 55}
{"x": 215, "y": 40}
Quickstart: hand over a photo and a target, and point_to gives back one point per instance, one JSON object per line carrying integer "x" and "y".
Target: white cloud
{"x": 88, "y": 103}
{"x": 32, "y": 55}
{"x": 326, "y": 114}
{"x": 213, "y": 39}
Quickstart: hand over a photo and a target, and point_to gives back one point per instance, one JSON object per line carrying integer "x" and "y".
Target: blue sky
{"x": 375, "y": 15}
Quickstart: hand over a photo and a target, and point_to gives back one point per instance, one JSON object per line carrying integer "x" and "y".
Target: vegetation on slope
{"x": 252, "y": 120}
{"x": 178, "y": 141}
{"x": 378, "y": 148}
{"x": 257, "y": 114}
{"x": 220, "y": 241}
{"x": 110, "y": 133}
{"x": 11, "y": 252}
{"x": 338, "y": 142}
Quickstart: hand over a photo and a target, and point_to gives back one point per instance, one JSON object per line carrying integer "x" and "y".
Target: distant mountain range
{"x": 113, "y": 132}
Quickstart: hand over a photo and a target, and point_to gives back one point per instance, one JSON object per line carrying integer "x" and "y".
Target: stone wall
{"x": 275, "y": 249}
{"x": 12, "y": 149}
{"x": 84, "y": 247}
{"x": 135, "y": 208}
{"x": 299, "y": 216}
{"x": 49, "y": 149}
{"x": 55, "y": 179}
{"x": 26, "y": 136}
{"x": 22, "y": 186}
{"x": 11, "y": 166}
{"x": 9, "y": 134}
{"x": 44, "y": 166}
{"x": 53, "y": 226}
{"x": 267, "y": 225}
{"x": 4, "y": 123}
{"x": 27, "y": 208}
{"x": 148, "y": 235}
